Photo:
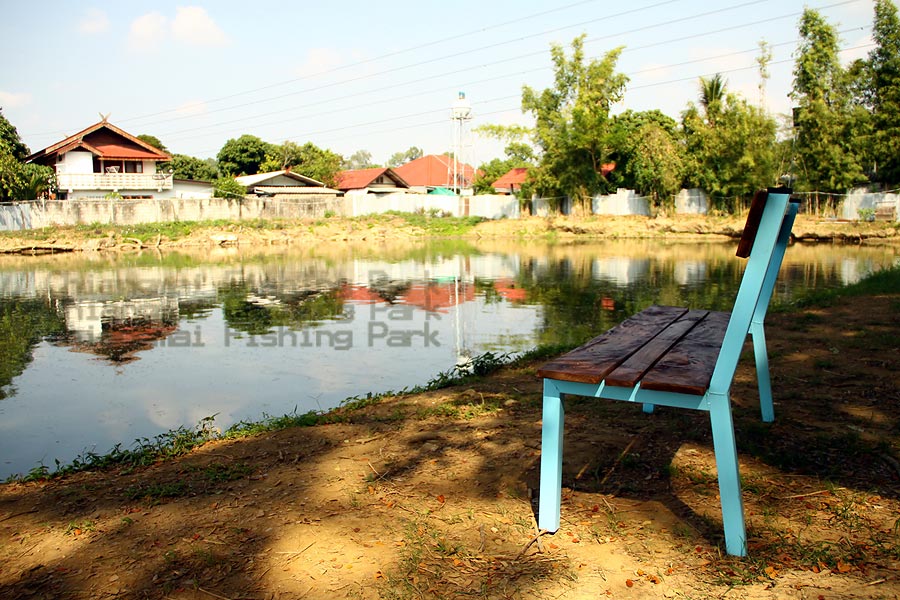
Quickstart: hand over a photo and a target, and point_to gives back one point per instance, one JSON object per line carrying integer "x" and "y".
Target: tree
{"x": 361, "y": 159}
{"x": 401, "y": 158}
{"x": 227, "y": 187}
{"x": 884, "y": 68}
{"x": 647, "y": 153}
{"x": 243, "y": 156}
{"x": 153, "y": 141}
{"x": 308, "y": 159}
{"x": 10, "y": 140}
{"x": 731, "y": 152}
{"x": 518, "y": 155}
{"x": 712, "y": 93}
{"x": 189, "y": 167}
{"x": 828, "y": 158}
{"x": 572, "y": 123}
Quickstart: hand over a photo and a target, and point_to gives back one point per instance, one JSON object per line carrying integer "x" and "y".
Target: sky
{"x": 374, "y": 76}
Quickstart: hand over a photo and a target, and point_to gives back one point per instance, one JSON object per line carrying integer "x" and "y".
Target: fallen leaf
{"x": 629, "y": 583}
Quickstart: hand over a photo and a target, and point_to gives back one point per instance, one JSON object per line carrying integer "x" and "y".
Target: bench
{"x": 673, "y": 356}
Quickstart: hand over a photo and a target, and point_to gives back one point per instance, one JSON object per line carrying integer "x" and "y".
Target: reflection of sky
{"x": 68, "y": 402}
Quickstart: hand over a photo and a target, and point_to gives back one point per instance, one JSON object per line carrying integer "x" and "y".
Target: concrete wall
{"x": 623, "y": 202}
{"x": 44, "y": 213}
{"x": 860, "y": 199}
{"x": 488, "y": 206}
{"x": 691, "y": 202}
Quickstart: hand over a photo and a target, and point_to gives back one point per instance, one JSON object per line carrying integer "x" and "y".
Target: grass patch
{"x": 885, "y": 281}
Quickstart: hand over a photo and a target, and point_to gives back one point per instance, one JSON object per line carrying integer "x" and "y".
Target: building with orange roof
{"x": 378, "y": 180}
{"x": 102, "y": 159}
{"x": 511, "y": 181}
{"x": 433, "y": 171}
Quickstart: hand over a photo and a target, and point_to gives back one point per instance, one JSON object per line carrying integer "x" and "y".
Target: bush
{"x": 226, "y": 187}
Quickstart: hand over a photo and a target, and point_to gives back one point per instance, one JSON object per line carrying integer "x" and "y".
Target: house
{"x": 511, "y": 181}
{"x": 432, "y": 171}
{"x": 101, "y": 160}
{"x": 371, "y": 181}
{"x": 284, "y": 184}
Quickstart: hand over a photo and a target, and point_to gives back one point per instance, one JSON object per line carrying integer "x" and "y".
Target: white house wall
{"x": 76, "y": 162}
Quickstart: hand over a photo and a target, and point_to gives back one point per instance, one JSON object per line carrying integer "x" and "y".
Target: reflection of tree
{"x": 576, "y": 307}
{"x": 23, "y": 323}
{"x": 121, "y": 340}
{"x": 296, "y": 310}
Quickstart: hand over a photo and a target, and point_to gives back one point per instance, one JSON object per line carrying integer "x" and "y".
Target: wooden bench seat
{"x": 678, "y": 357}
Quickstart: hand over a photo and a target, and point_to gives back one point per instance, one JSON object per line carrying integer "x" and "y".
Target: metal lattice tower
{"x": 461, "y": 116}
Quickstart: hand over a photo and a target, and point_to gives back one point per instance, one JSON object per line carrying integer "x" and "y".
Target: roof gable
{"x": 515, "y": 176}
{"x": 357, "y": 179}
{"x": 104, "y": 140}
{"x": 283, "y": 177}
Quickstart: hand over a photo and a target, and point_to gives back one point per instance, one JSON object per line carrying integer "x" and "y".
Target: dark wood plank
{"x": 633, "y": 369}
{"x": 593, "y": 361}
{"x": 752, "y": 225}
{"x": 688, "y": 367}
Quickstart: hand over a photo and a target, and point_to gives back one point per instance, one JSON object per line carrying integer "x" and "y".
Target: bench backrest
{"x": 764, "y": 241}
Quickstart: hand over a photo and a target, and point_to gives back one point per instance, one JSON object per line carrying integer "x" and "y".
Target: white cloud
{"x": 194, "y": 26}
{"x": 147, "y": 32}
{"x": 319, "y": 61}
{"x": 13, "y": 100}
{"x": 194, "y": 107}
{"x": 94, "y": 21}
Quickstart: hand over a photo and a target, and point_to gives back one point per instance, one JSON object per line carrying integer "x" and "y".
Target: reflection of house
{"x": 508, "y": 290}
{"x": 371, "y": 181}
{"x": 284, "y": 184}
{"x": 118, "y": 330}
{"x": 511, "y": 181}
{"x": 103, "y": 159}
{"x": 431, "y": 297}
{"x": 433, "y": 171}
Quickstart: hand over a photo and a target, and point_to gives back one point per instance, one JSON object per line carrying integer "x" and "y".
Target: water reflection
{"x": 98, "y": 350}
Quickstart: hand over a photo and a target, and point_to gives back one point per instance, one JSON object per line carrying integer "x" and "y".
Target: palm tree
{"x": 712, "y": 92}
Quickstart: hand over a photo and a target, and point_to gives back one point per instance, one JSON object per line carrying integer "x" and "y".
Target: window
{"x": 134, "y": 166}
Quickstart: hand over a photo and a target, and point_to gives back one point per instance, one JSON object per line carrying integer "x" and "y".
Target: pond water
{"x": 98, "y": 350}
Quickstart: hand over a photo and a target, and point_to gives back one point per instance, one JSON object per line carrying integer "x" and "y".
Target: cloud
{"x": 13, "y": 100}
{"x": 94, "y": 21}
{"x": 319, "y": 61}
{"x": 147, "y": 32}
{"x": 194, "y": 26}
{"x": 194, "y": 107}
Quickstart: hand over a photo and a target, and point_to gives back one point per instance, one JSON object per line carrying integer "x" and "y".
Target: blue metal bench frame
{"x": 747, "y": 316}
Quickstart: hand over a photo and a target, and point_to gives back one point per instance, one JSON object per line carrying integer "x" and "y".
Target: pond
{"x": 99, "y": 350}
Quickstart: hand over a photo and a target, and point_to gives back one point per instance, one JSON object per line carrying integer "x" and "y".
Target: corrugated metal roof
{"x": 431, "y": 170}
{"x": 516, "y": 176}
{"x": 260, "y": 178}
{"x": 357, "y": 179}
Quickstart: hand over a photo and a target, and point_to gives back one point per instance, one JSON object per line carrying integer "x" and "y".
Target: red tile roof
{"x": 105, "y": 141}
{"x": 513, "y": 177}
{"x": 357, "y": 179}
{"x": 433, "y": 170}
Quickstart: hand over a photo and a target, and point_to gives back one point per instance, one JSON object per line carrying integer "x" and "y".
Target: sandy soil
{"x": 383, "y": 230}
{"x": 431, "y": 495}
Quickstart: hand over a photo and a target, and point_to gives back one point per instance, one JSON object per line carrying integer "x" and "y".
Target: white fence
{"x": 487, "y": 206}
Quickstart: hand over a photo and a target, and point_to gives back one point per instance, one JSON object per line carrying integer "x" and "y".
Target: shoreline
{"x": 390, "y": 228}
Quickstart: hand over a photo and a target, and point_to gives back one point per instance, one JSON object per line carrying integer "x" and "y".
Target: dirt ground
{"x": 432, "y": 495}
{"x": 386, "y": 230}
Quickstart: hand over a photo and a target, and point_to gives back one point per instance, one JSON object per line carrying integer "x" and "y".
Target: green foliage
{"x": 244, "y": 155}
{"x": 189, "y": 167}
{"x": 308, "y": 160}
{"x": 884, "y": 68}
{"x": 23, "y": 324}
{"x": 153, "y": 141}
{"x": 827, "y": 154}
{"x": 647, "y": 153}
{"x": 10, "y": 141}
{"x": 731, "y": 148}
{"x": 401, "y": 158}
{"x": 439, "y": 225}
{"x": 226, "y": 187}
{"x": 572, "y": 122}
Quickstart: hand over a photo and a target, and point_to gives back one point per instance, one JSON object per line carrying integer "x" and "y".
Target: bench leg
{"x": 551, "y": 458}
{"x": 648, "y": 408}
{"x": 729, "y": 476}
{"x": 762, "y": 372}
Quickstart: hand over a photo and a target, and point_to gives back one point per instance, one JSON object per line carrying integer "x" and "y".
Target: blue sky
{"x": 377, "y": 76}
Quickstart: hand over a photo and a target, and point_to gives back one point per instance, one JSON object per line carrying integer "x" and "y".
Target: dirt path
{"x": 430, "y": 495}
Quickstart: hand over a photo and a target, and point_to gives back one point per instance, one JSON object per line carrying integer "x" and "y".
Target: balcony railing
{"x": 113, "y": 181}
